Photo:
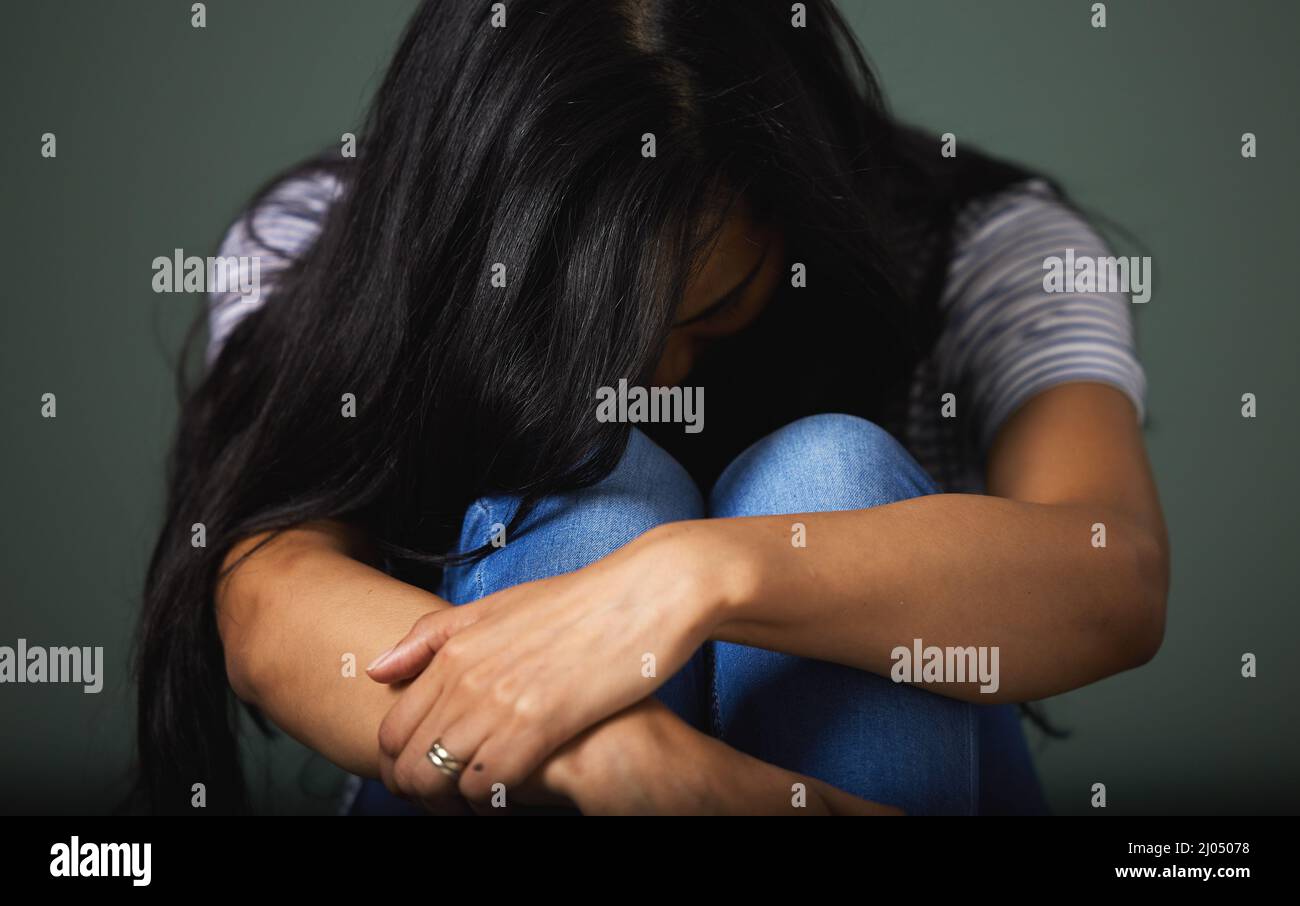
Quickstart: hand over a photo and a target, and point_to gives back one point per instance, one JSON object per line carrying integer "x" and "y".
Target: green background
{"x": 164, "y": 130}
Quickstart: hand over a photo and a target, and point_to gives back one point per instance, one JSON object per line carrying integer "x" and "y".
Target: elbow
{"x": 252, "y": 571}
{"x": 243, "y": 670}
{"x": 1144, "y": 610}
{"x": 258, "y": 574}
{"x": 238, "y": 627}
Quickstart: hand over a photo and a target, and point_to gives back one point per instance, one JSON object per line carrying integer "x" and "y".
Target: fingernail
{"x": 379, "y": 660}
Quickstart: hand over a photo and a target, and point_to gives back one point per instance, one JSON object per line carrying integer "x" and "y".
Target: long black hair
{"x": 523, "y": 146}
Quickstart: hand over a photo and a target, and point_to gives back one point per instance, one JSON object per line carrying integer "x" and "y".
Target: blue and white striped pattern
{"x": 1004, "y": 339}
{"x": 287, "y": 222}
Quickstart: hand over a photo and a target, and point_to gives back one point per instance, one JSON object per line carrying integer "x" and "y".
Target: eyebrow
{"x": 729, "y": 295}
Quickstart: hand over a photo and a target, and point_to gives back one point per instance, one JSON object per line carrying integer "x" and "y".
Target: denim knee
{"x": 818, "y": 464}
{"x": 568, "y": 531}
{"x": 859, "y": 731}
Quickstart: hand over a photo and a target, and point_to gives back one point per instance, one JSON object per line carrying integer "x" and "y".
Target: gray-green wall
{"x": 163, "y": 130}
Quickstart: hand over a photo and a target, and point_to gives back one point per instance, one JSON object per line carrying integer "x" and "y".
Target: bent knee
{"x": 569, "y": 530}
{"x": 819, "y": 463}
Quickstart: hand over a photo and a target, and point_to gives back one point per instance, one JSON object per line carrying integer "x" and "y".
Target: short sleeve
{"x": 282, "y": 226}
{"x": 1005, "y": 337}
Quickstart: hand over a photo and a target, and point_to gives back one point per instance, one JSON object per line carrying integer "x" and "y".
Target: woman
{"x": 908, "y": 441}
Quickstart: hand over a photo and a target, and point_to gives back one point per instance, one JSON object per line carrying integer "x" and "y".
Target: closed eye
{"x": 729, "y": 299}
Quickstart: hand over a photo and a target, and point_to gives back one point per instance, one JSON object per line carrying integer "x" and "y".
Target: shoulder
{"x": 284, "y": 219}
{"x": 1014, "y": 228}
{"x": 276, "y": 228}
{"x": 1007, "y": 337}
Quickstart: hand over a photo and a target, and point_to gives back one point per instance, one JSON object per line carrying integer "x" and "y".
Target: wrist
{"x": 717, "y": 562}
{"x": 641, "y": 761}
{"x": 646, "y": 760}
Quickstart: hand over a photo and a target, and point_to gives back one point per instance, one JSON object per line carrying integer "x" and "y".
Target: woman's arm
{"x": 646, "y": 760}
{"x": 1017, "y": 571}
{"x": 293, "y": 610}
{"x": 291, "y": 613}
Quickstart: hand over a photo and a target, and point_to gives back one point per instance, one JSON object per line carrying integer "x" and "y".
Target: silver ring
{"x": 444, "y": 760}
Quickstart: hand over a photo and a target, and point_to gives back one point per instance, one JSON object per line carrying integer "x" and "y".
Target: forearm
{"x": 951, "y": 570}
{"x": 646, "y": 760}
{"x": 291, "y": 612}
{"x": 300, "y": 620}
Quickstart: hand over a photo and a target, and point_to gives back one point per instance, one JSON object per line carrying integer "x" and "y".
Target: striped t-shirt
{"x": 1004, "y": 338}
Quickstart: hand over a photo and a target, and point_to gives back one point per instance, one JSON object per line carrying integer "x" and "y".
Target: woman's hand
{"x": 523, "y": 671}
{"x": 647, "y": 761}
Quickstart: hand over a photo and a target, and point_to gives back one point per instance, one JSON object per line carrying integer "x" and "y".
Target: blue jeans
{"x": 863, "y": 733}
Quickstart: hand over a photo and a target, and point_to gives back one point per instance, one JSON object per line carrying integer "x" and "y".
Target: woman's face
{"x": 727, "y": 292}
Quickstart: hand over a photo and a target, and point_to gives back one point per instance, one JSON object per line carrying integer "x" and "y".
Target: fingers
{"x": 496, "y": 755}
{"x": 493, "y": 767}
{"x": 404, "y": 763}
{"x": 407, "y": 732}
{"x": 425, "y": 785}
{"x": 414, "y": 774}
{"x": 417, "y": 648}
{"x": 500, "y": 768}
{"x": 416, "y": 777}
{"x": 407, "y": 713}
